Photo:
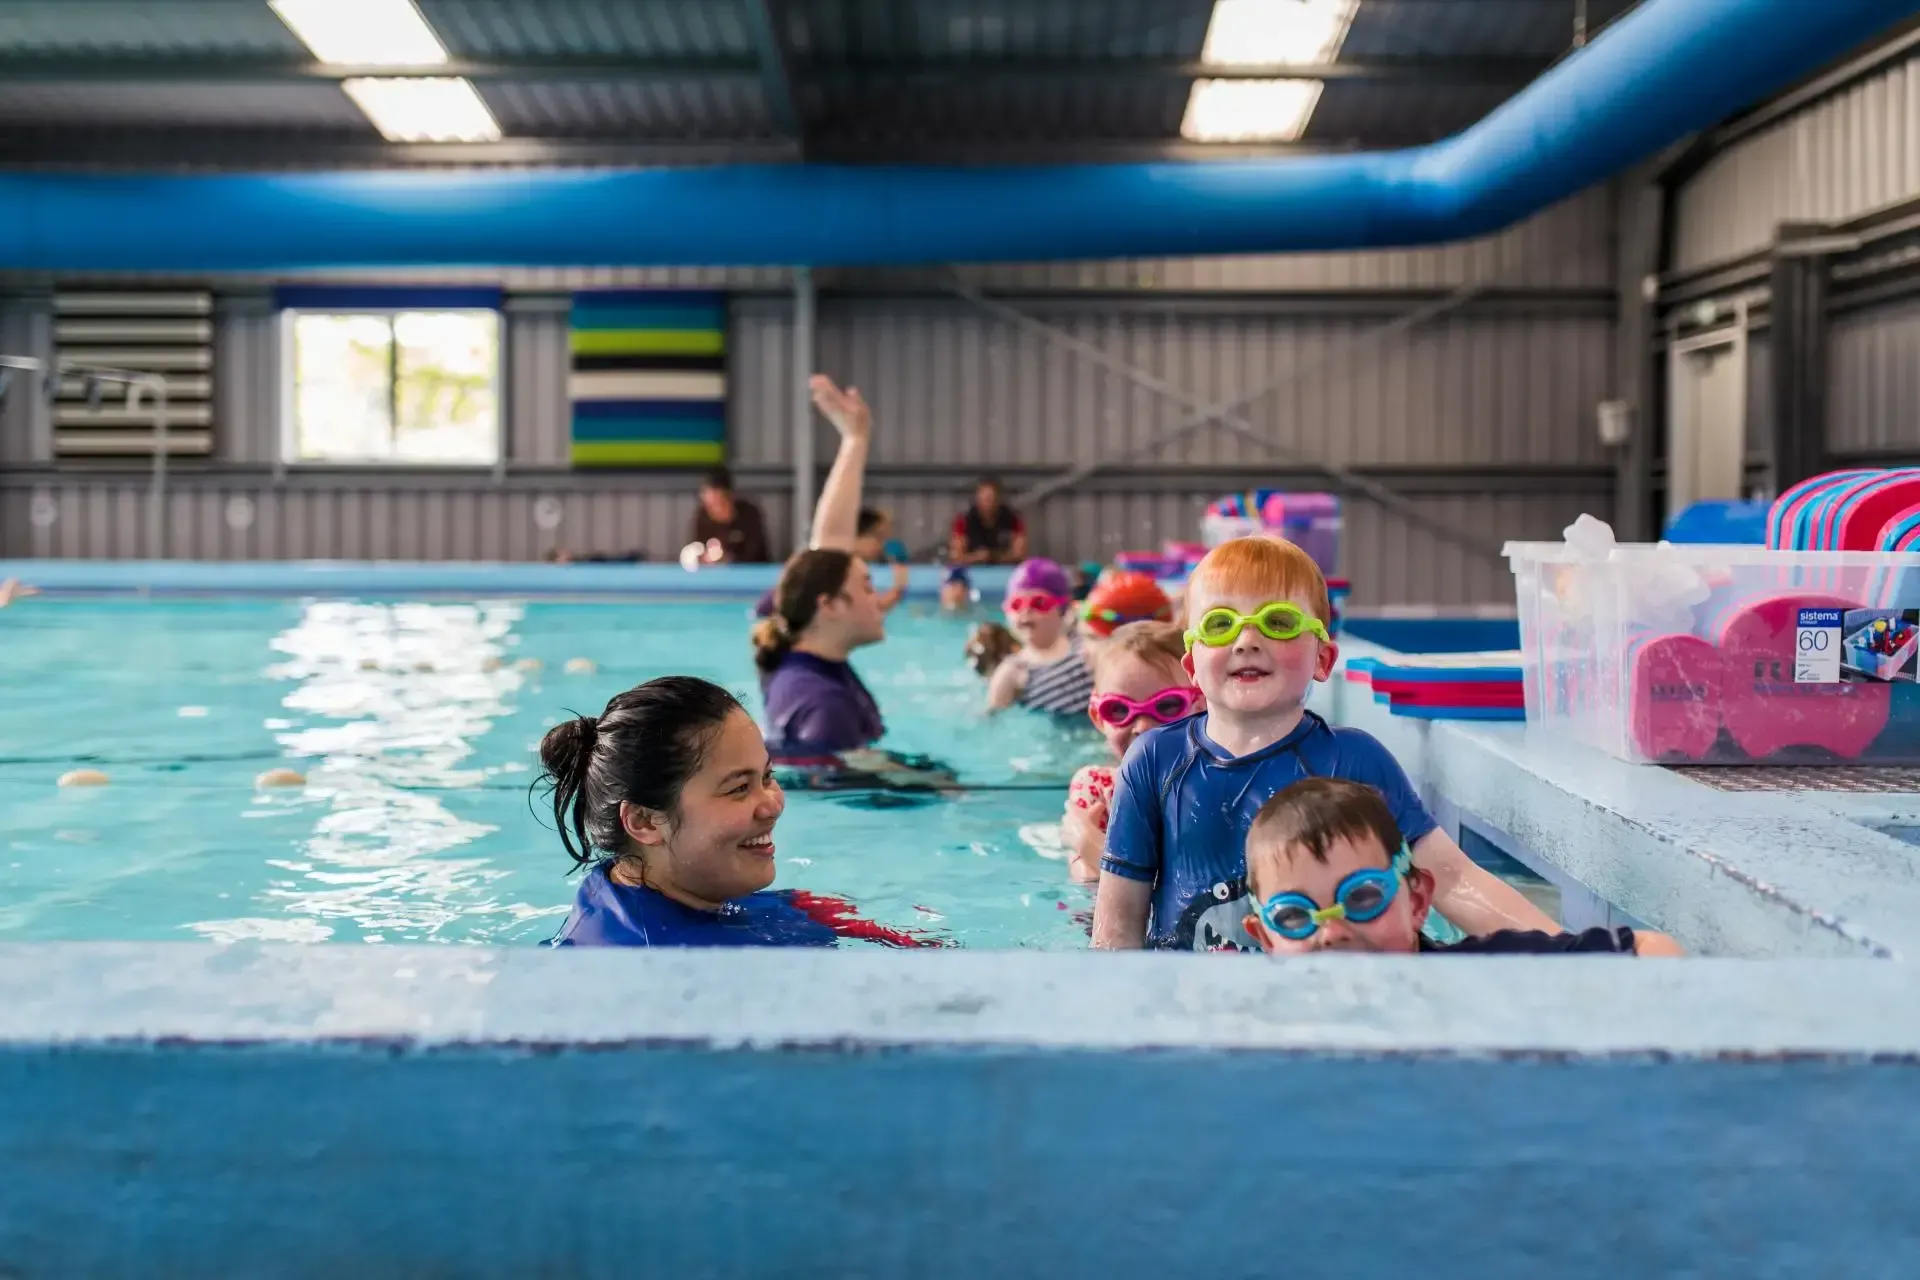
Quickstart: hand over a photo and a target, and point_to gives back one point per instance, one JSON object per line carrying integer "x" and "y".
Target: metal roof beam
{"x": 774, "y": 68}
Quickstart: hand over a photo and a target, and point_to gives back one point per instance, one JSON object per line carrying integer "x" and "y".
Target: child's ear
{"x": 1329, "y": 655}
{"x": 1186, "y": 665}
{"x": 1257, "y": 930}
{"x": 1419, "y": 894}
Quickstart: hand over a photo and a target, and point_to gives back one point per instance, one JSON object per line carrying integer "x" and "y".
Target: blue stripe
{"x": 622, "y": 429}
{"x": 651, "y": 410}
{"x": 650, "y": 298}
{"x": 421, "y": 297}
{"x": 696, "y": 319}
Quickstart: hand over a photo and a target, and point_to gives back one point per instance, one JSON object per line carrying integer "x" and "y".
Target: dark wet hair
{"x": 807, "y": 577}
{"x": 870, "y": 519}
{"x": 719, "y": 478}
{"x": 993, "y": 483}
{"x": 641, "y": 749}
{"x": 1314, "y": 812}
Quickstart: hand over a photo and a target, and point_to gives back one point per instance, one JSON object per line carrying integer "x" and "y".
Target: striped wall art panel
{"x": 163, "y": 332}
{"x": 649, "y": 378}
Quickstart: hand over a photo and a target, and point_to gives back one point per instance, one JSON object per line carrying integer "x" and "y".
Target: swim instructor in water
{"x": 668, "y": 799}
{"x": 824, "y": 607}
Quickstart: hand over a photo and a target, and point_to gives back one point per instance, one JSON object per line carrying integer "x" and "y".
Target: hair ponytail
{"x": 808, "y": 576}
{"x": 566, "y": 752}
{"x": 641, "y": 750}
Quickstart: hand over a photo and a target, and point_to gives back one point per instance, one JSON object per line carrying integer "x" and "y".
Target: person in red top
{"x": 989, "y": 531}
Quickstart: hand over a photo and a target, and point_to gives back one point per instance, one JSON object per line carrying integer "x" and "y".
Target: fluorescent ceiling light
{"x": 1249, "y": 110}
{"x": 1255, "y": 32}
{"x": 1264, "y": 33}
{"x": 363, "y": 33}
{"x": 424, "y": 110}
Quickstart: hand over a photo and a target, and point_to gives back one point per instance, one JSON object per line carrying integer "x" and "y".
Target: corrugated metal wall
{"x": 1842, "y": 157}
{"x": 1874, "y": 381}
{"x": 958, "y": 390}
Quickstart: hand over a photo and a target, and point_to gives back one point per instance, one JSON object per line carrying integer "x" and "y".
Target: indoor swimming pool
{"x": 415, "y": 724}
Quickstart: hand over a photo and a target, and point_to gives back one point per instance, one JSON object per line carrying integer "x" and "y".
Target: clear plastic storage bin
{"x": 1722, "y": 655}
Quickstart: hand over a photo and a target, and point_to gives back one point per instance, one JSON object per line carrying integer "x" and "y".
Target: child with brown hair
{"x": 1327, "y": 870}
{"x": 1138, "y": 684}
{"x": 1174, "y": 870}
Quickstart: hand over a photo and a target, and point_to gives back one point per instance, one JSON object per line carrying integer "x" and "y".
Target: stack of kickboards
{"x": 1444, "y": 686}
{"x": 1727, "y": 689}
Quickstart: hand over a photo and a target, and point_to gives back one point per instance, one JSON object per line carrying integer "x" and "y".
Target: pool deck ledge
{"x": 404, "y": 1111}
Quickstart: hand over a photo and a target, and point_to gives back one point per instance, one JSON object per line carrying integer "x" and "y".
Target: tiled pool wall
{"x": 319, "y": 1111}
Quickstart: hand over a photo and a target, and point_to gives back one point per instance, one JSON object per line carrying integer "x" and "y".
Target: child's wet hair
{"x": 1157, "y": 644}
{"x": 1315, "y": 812}
{"x": 1266, "y": 566}
{"x": 990, "y": 645}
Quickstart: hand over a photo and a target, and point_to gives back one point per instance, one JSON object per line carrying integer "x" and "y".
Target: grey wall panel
{"x": 246, "y": 388}
{"x": 1874, "y": 380}
{"x": 1759, "y": 394}
{"x": 538, "y": 406}
{"x": 1567, "y": 246}
{"x": 26, "y": 329}
{"x": 951, "y": 384}
{"x": 106, "y": 519}
{"x": 761, "y": 378}
{"x": 1847, "y": 155}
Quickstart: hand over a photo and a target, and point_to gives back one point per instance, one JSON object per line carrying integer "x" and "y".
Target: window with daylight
{"x": 418, "y": 388}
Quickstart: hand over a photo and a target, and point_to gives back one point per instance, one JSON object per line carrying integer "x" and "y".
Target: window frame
{"x": 289, "y": 442}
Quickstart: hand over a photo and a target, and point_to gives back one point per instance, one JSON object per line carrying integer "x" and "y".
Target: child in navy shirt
{"x": 1328, "y": 871}
{"x": 1174, "y": 871}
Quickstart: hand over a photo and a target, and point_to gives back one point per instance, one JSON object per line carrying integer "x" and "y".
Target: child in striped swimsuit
{"x": 1052, "y": 672}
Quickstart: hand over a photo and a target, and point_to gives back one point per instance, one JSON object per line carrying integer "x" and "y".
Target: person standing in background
{"x": 733, "y": 523}
{"x": 989, "y": 531}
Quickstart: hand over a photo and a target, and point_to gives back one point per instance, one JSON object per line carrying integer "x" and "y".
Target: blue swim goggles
{"x": 1360, "y": 897}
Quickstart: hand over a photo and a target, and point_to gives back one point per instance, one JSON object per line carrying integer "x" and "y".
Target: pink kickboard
{"x": 1675, "y": 692}
{"x": 1766, "y": 712}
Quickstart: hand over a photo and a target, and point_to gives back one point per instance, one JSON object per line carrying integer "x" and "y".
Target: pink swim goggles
{"x": 1117, "y": 711}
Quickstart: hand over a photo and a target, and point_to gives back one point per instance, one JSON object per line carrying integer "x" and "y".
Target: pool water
{"x": 417, "y": 734}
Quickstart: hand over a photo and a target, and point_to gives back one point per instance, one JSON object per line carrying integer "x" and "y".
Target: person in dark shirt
{"x": 1327, "y": 870}
{"x": 731, "y": 523}
{"x": 824, "y": 608}
{"x": 668, "y": 798}
{"x": 989, "y": 531}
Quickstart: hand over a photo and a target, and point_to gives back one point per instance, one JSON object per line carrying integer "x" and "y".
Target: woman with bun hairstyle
{"x": 667, "y": 799}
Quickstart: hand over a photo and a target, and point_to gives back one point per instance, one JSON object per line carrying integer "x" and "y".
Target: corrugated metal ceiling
{"x": 939, "y": 77}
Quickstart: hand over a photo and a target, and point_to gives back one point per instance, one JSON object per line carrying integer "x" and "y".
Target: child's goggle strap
{"x": 1279, "y": 620}
{"x": 1117, "y": 618}
{"x": 1360, "y": 898}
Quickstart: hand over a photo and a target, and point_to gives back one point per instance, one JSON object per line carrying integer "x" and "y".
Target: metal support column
{"x": 805, "y": 468}
{"x": 1641, "y": 219}
{"x": 1798, "y": 305}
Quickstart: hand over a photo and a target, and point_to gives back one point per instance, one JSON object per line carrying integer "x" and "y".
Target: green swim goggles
{"x": 1221, "y": 626}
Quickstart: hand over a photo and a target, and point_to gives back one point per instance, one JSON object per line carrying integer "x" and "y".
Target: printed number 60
{"x": 1813, "y": 641}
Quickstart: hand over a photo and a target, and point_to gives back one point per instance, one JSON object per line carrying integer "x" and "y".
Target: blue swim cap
{"x": 959, "y": 574}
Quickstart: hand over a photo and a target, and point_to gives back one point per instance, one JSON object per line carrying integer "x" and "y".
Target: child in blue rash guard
{"x": 668, "y": 798}
{"x": 1328, "y": 871}
{"x": 1174, "y": 870}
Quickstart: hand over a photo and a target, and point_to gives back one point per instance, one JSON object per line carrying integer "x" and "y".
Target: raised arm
{"x": 836, "y": 518}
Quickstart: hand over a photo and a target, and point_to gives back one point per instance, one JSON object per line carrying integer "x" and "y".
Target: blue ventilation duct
{"x": 1669, "y": 68}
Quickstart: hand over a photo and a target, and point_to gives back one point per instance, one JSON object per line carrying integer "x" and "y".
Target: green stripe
{"x": 648, "y": 342}
{"x": 648, "y": 453}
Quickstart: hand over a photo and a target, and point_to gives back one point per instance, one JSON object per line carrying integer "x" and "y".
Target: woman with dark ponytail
{"x": 668, "y": 799}
{"x": 824, "y": 607}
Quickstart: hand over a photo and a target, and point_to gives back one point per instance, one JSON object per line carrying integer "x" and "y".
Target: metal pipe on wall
{"x": 804, "y": 465}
